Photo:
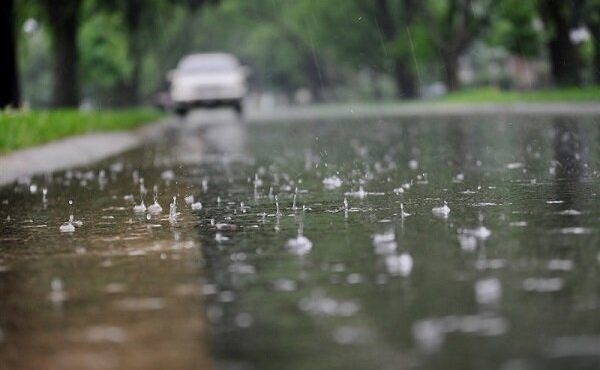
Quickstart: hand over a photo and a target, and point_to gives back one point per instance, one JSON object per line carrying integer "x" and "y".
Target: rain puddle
{"x": 422, "y": 243}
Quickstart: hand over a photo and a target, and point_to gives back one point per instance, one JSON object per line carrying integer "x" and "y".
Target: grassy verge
{"x": 20, "y": 129}
{"x": 491, "y": 95}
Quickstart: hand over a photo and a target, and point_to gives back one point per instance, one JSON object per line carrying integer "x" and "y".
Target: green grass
{"x": 21, "y": 129}
{"x": 492, "y": 95}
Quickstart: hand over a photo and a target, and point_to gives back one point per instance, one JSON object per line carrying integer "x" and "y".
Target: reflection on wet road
{"x": 346, "y": 244}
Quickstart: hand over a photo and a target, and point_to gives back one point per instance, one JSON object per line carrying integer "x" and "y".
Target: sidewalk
{"x": 75, "y": 151}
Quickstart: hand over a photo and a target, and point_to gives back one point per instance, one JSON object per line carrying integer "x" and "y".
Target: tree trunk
{"x": 451, "y": 71}
{"x": 63, "y": 17}
{"x": 404, "y": 78}
{"x": 9, "y": 77}
{"x": 316, "y": 79}
{"x": 406, "y": 86}
{"x": 595, "y": 31}
{"x": 596, "y": 64}
{"x": 565, "y": 63}
{"x": 132, "y": 21}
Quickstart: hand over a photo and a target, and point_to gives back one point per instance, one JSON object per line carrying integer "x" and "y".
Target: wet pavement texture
{"x": 440, "y": 243}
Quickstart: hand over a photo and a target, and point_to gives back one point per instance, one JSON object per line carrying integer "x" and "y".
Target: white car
{"x": 207, "y": 80}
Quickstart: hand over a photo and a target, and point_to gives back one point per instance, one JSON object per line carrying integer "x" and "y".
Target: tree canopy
{"x": 117, "y": 52}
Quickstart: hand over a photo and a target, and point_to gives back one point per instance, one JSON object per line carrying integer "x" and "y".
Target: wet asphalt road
{"x": 508, "y": 279}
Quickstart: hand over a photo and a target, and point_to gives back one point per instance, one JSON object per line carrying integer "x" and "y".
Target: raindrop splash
{"x": 442, "y": 211}
{"x": 402, "y": 213}
{"x": 155, "y": 208}
{"x": 173, "y": 211}
{"x": 300, "y": 245}
{"x": 69, "y": 226}
{"x": 277, "y": 212}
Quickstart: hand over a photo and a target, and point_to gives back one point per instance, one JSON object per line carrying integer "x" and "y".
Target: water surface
{"x": 507, "y": 280}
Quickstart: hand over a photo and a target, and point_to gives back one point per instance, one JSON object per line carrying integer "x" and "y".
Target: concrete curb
{"x": 75, "y": 151}
{"x": 403, "y": 110}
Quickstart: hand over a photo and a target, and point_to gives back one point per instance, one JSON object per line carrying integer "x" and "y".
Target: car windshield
{"x": 208, "y": 64}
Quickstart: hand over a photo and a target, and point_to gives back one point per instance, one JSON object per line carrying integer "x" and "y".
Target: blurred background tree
{"x": 591, "y": 17}
{"x": 62, "y": 18}
{"x": 559, "y": 20}
{"x": 99, "y": 53}
{"x": 9, "y": 84}
{"x": 453, "y": 25}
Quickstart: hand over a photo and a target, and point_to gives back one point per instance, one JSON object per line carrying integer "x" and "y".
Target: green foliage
{"x": 289, "y": 44}
{"x": 514, "y": 28}
{"x": 104, "y": 58}
{"x": 22, "y": 129}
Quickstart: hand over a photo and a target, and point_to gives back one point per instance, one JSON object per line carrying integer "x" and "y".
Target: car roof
{"x": 201, "y": 59}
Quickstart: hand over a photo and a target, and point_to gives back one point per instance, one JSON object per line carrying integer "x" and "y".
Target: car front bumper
{"x": 199, "y": 95}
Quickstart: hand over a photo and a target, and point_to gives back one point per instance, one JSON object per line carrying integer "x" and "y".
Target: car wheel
{"x": 237, "y": 106}
{"x": 181, "y": 111}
